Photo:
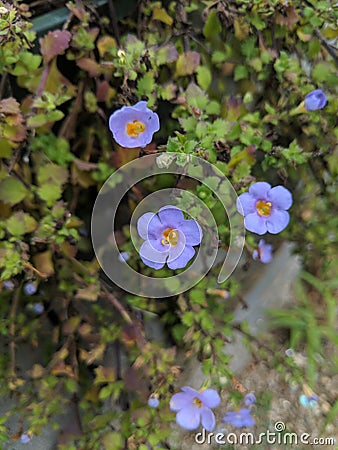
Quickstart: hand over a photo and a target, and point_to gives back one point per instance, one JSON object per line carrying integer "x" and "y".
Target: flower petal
{"x": 141, "y": 106}
{"x": 210, "y": 398}
{"x": 265, "y": 252}
{"x": 180, "y": 400}
{"x": 260, "y": 190}
{"x": 188, "y": 418}
{"x": 176, "y": 250}
{"x": 143, "y": 224}
{"x": 192, "y": 232}
{"x": 280, "y": 197}
{"x": 246, "y": 204}
{"x": 170, "y": 216}
{"x": 189, "y": 390}
{"x": 277, "y": 221}
{"x": 182, "y": 259}
{"x": 208, "y": 419}
{"x": 151, "y": 257}
{"x": 255, "y": 223}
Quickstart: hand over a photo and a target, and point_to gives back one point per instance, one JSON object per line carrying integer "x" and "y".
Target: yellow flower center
{"x": 197, "y": 402}
{"x": 170, "y": 236}
{"x": 135, "y": 128}
{"x": 263, "y": 208}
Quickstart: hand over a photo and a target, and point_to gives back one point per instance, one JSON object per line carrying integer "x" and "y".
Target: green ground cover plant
{"x": 232, "y": 83}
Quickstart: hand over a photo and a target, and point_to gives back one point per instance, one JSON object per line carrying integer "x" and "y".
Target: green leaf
{"x": 212, "y": 26}
{"x": 146, "y": 85}
{"x": 203, "y": 77}
{"x": 20, "y": 223}
{"x": 12, "y": 191}
{"x": 241, "y": 72}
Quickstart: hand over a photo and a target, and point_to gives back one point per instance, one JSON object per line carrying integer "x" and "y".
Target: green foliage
{"x": 227, "y": 85}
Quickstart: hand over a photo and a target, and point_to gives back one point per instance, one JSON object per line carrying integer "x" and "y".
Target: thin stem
{"x": 12, "y": 316}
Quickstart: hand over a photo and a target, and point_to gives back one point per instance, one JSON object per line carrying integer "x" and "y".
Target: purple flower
{"x": 193, "y": 407}
{"x": 153, "y": 401}
{"x": 9, "y": 285}
{"x": 263, "y": 253}
{"x": 249, "y": 399}
{"x": 123, "y": 257}
{"x": 241, "y": 418}
{"x": 169, "y": 238}
{"x": 134, "y": 126}
{"x": 308, "y": 401}
{"x": 315, "y": 100}
{"x": 30, "y": 289}
{"x": 264, "y": 208}
{"x": 38, "y": 308}
{"x": 25, "y": 438}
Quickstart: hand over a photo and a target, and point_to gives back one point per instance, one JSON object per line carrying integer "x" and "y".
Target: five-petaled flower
{"x": 263, "y": 253}
{"x": 264, "y": 208}
{"x": 168, "y": 238}
{"x": 241, "y": 418}
{"x": 134, "y": 126}
{"x": 315, "y": 100}
{"x": 193, "y": 407}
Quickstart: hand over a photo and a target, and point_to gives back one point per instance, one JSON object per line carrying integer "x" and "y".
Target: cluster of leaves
{"x": 226, "y": 79}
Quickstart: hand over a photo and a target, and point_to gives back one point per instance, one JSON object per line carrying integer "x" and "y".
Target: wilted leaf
{"x": 104, "y": 92}
{"x": 12, "y": 191}
{"x": 44, "y": 262}
{"x": 37, "y": 371}
{"x": 289, "y": 18}
{"x": 71, "y": 325}
{"x": 54, "y": 43}
{"x": 187, "y": 63}
{"x": 104, "y": 44}
{"x": 9, "y": 106}
{"x": 20, "y": 223}
{"x": 90, "y": 66}
{"x": 162, "y": 15}
{"x": 104, "y": 375}
{"x": 89, "y": 293}
{"x": 94, "y": 355}
{"x": 167, "y": 54}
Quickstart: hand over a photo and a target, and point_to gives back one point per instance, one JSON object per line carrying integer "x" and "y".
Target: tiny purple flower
{"x": 153, "y": 401}
{"x": 263, "y": 253}
{"x": 30, "y": 288}
{"x": 168, "y": 238}
{"x": 315, "y": 100}
{"x": 308, "y": 401}
{"x": 25, "y": 438}
{"x": 134, "y": 126}
{"x": 241, "y": 418}
{"x": 38, "y": 308}
{"x": 249, "y": 399}
{"x": 9, "y": 285}
{"x": 264, "y": 208}
{"x": 123, "y": 257}
{"x": 194, "y": 407}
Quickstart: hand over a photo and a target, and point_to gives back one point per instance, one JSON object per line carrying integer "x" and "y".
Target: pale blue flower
{"x": 134, "y": 126}
{"x": 194, "y": 407}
